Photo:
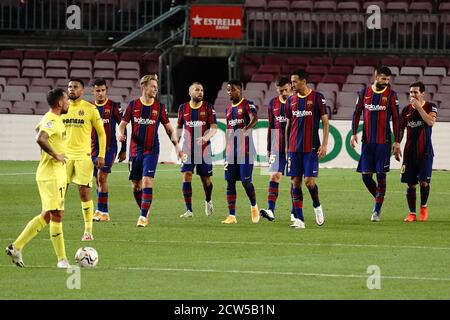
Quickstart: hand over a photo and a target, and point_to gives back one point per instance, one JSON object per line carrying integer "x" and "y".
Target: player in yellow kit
{"x": 79, "y": 121}
{"x": 51, "y": 180}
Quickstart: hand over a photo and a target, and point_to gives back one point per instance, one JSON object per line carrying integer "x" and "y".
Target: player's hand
{"x": 415, "y": 103}
{"x": 122, "y": 137}
{"x": 100, "y": 162}
{"x": 201, "y": 140}
{"x": 61, "y": 158}
{"x": 322, "y": 151}
{"x": 354, "y": 141}
{"x": 397, "y": 151}
{"x": 179, "y": 152}
{"x": 246, "y": 132}
{"x": 122, "y": 156}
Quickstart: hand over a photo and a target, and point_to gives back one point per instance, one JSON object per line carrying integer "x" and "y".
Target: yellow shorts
{"x": 80, "y": 172}
{"x": 52, "y": 194}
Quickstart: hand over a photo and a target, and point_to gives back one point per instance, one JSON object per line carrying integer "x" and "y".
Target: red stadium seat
{"x": 56, "y": 73}
{"x": 380, "y": 4}
{"x": 108, "y": 56}
{"x": 105, "y": 65}
{"x": 12, "y": 96}
{"x": 255, "y": 4}
{"x": 298, "y": 60}
{"x": 439, "y": 62}
{"x": 123, "y": 84}
{"x": 32, "y": 73}
{"x": 278, "y": 5}
{"x": 105, "y": 74}
{"x": 316, "y": 70}
{"x": 35, "y": 54}
{"x": 404, "y": 79}
{"x": 400, "y": 7}
{"x": 81, "y": 64}
{"x": 262, "y": 77}
{"x": 301, "y": 5}
{"x": 59, "y": 55}
{"x": 12, "y": 63}
{"x": 57, "y": 64}
{"x": 321, "y": 61}
{"x": 23, "y": 82}
{"x": 23, "y": 107}
{"x": 350, "y": 87}
{"x": 392, "y": 62}
{"x": 415, "y": 62}
{"x": 333, "y": 78}
{"x": 420, "y": 7}
{"x": 83, "y": 55}
{"x": 36, "y": 97}
{"x": 324, "y": 6}
{"x": 435, "y": 71}
{"x": 367, "y": 61}
{"x": 344, "y": 61}
{"x": 128, "y": 65}
{"x": 359, "y": 79}
{"x": 130, "y": 56}
{"x": 344, "y": 7}
{"x": 40, "y": 89}
{"x": 9, "y": 72}
{"x": 416, "y": 71}
{"x": 273, "y": 69}
{"x": 5, "y": 107}
{"x": 256, "y": 86}
{"x": 274, "y": 60}
{"x": 11, "y": 54}
{"x": 364, "y": 70}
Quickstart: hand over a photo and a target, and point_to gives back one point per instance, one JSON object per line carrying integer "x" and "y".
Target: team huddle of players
{"x": 293, "y": 148}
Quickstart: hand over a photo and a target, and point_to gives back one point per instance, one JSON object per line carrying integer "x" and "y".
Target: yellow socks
{"x": 31, "y": 230}
{"x": 88, "y": 214}
{"x": 57, "y": 237}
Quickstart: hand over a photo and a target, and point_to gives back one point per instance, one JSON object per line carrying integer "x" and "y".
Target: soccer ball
{"x": 86, "y": 257}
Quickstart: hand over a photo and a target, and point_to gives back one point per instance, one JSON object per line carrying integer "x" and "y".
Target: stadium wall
{"x": 17, "y": 142}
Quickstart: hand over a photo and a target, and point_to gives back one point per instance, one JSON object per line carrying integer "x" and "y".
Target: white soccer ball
{"x": 86, "y": 257}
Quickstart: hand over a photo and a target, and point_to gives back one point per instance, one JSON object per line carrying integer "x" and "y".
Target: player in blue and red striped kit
{"x": 418, "y": 118}
{"x": 276, "y": 149}
{"x": 145, "y": 115}
{"x": 111, "y": 116}
{"x": 304, "y": 112}
{"x": 241, "y": 117}
{"x": 198, "y": 120}
{"x": 377, "y": 104}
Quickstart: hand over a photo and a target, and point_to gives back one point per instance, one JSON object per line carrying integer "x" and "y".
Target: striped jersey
{"x": 418, "y": 133}
{"x": 377, "y": 108}
{"x": 238, "y": 117}
{"x": 195, "y": 122}
{"x": 304, "y": 113}
{"x": 277, "y": 126}
{"x": 145, "y": 120}
{"x": 111, "y": 116}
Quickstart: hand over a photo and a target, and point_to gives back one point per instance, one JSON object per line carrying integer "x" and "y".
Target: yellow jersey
{"x": 49, "y": 168}
{"x": 79, "y": 121}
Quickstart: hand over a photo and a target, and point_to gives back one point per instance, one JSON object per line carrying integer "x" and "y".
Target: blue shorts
{"x": 303, "y": 164}
{"x": 277, "y": 163}
{"x": 242, "y": 172}
{"x": 110, "y": 156}
{"x": 413, "y": 171}
{"x": 375, "y": 158}
{"x": 203, "y": 170}
{"x": 143, "y": 165}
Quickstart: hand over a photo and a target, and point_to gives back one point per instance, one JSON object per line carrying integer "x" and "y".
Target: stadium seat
{"x": 416, "y": 71}
{"x": 273, "y": 69}
{"x": 341, "y": 70}
{"x": 128, "y": 65}
{"x": 346, "y": 100}
{"x": 36, "y": 97}
{"x": 5, "y": 106}
{"x": 12, "y": 63}
{"x": 380, "y": 4}
{"x": 398, "y": 7}
{"x": 301, "y": 6}
{"x": 401, "y": 88}
{"x": 444, "y": 89}
{"x": 261, "y": 86}
{"x": 26, "y": 82}
{"x": 348, "y": 7}
{"x": 306, "y": 29}
{"x": 56, "y": 73}
{"x": 42, "y": 82}
{"x": 255, "y": 4}
{"x": 123, "y": 92}
{"x": 316, "y": 70}
{"x": 359, "y": 79}
{"x": 324, "y": 6}
{"x": 420, "y": 7}
{"x": 81, "y": 64}
{"x": 11, "y": 54}
{"x": 344, "y": 113}
{"x": 363, "y": 70}
{"x": 443, "y": 115}
{"x": 327, "y": 87}
{"x": 278, "y": 5}
{"x": 350, "y": 87}
{"x": 105, "y": 65}
{"x": 431, "y": 80}
{"x": 404, "y": 79}
{"x": 32, "y": 73}
{"x": 439, "y": 62}
{"x": 57, "y": 64}
{"x": 108, "y": 56}
{"x": 334, "y": 78}
{"x": 415, "y": 62}
{"x": 59, "y": 55}
{"x": 40, "y": 89}
{"x": 23, "y": 107}
{"x": 123, "y": 84}
{"x": 367, "y": 61}
{"x": 41, "y": 108}
{"x": 62, "y": 83}
{"x": 9, "y": 72}
{"x": 83, "y": 55}
{"x": 130, "y": 56}
{"x": 128, "y": 75}
{"x": 262, "y": 77}
{"x": 392, "y": 61}
{"x": 35, "y": 54}
{"x": 345, "y": 61}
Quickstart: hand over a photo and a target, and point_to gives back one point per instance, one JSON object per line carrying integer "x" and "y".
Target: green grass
{"x": 200, "y": 258}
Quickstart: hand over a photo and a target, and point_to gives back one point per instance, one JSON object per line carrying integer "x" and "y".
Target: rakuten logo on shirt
{"x": 373, "y": 107}
{"x": 195, "y": 124}
{"x": 281, "y": 118}
{"x": 144, "y": 121}
{"x": 415, "y": 124}
{"x": 235, "y": 122}
{"x": 301, "y": 113}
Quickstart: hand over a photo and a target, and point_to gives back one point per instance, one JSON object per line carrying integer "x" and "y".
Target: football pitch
{"x": 200, "y": 258}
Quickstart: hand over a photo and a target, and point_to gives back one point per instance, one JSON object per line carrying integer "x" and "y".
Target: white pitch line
{"x": 253, "y": 272}
{"x": 256, "y": 243}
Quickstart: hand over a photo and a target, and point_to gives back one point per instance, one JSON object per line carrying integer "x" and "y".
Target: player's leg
{"x": 408, "y": 175}
{"x": 366, "y": 167}
{"x": 102, "y": 212}
{"x": 311, "y": 171}
{"x": 272, "y": 196}
{"x": 83, "y": 178}
{"x": 424, "y": 176}
{"x": 231, "y": 172}
{"x": 207, "y": 187}
{"x": 295, "y": 171}
{"x": 135, "y": 176}
{"x": 187, "y": 190}
{"x": 150, "y": 162}
{"x": 246, "y": 173}
{"x": 57, "y": 238}
{"x": 382, "y": 162}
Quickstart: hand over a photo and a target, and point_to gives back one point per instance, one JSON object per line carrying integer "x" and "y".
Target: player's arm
{"x": 269, "y": 131}
{"x": 173, "y": 138}
{"x": 123, "y": 123}
{"x": 97, "y": 123}
{"x": 395, "y": 126}
{"x": 123, "y": 145}
{"x": 42, "y": 140}
{"x": 212, "y": 127}
{"x": 322, "y": 152}
{"x": 180, "y": 123}
{"x": 429, "y": 118}
{"x": 253, "y": 114}
{"x": 356, "y": 117}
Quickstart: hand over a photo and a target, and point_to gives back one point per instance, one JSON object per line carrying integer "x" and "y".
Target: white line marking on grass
{"x": 254, "y": 272}
{"x": 257, "y": 243}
